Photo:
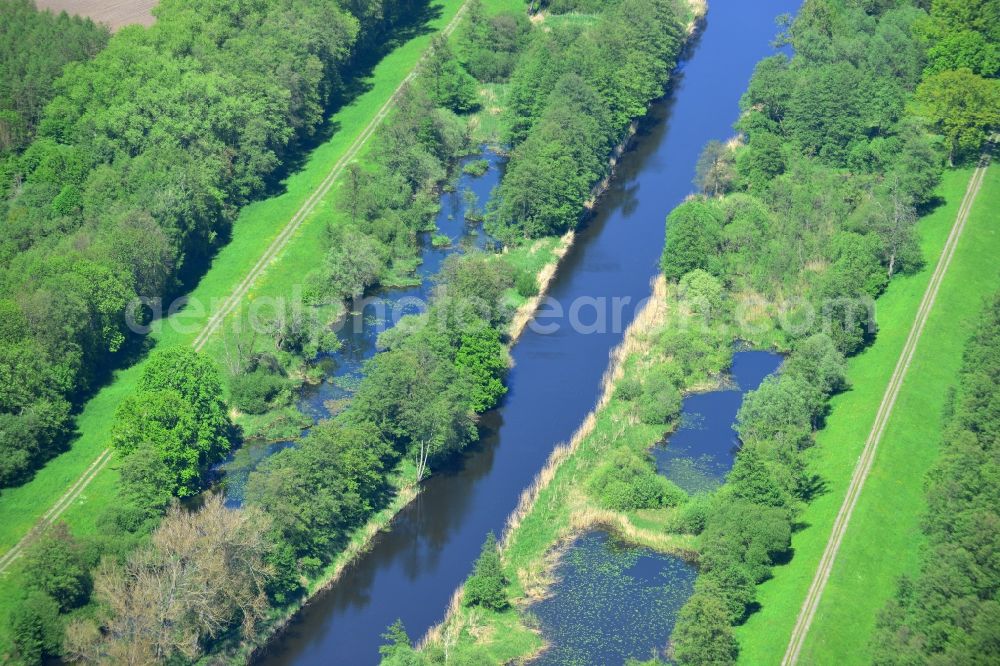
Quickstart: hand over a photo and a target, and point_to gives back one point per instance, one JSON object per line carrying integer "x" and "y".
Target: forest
{"x": 153, "y": 145}
{"x": 126, "y": 165}
{"x": 87, "y": 599}
{"x": 35, "y": 406}
{"x": 844, "y": 142}
{"x": 572, "y": 99}
{"x": 140, "y": 161}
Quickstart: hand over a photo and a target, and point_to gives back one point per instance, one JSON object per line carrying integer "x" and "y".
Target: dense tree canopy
{"x": 961, "y": 106}
{"x": 140, "y": 163}
{"x": 329, "y": 483}
{"x": 30, "y": 65}
{"x": 693, "y": 239}
{"x": 178, "y": 414}
{"x": 571, "y": 100}
{"x": 843, "y": 143}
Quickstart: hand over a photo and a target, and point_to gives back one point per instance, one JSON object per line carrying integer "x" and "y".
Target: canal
{"x": 412, "y": 570}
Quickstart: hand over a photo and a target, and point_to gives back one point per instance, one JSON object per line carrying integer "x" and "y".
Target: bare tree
{"x": 204, "y": 572}
{"x": 716, "y": 169}
{"x": 895, "y": 222}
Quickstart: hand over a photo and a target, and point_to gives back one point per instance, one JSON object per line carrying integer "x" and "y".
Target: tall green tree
{"x": 178, "y": 412}
{"x": 693, "y": 238}
{"x": 703, "y": 634}
{"x": 486, "y": 585}
{"x": 961, "y": 106}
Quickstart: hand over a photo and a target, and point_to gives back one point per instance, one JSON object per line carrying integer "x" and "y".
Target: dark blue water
{"x": 381, "y": 310}
{"x": 612, "y": 602}
{"x": 412, "y": 570}
{"x": 698, "y": 455}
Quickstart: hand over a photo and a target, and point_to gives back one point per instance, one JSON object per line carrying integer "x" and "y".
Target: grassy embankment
{"x": 884, "y": 537}
{"x": 258, "y": 224}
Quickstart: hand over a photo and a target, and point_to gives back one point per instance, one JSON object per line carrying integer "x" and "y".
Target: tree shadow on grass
{"x": 812, "y": 487}
{"x": 357, "y": 79}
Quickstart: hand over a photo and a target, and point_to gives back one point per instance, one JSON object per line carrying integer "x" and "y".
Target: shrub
{"x": 628, "y": 389}
{"x": 526, "y": 284}
{"x": 254, "y": 392}
{"x": 54, "y": 564}
{"x": 702, "y": 293}
{"x": 693, "y": 517}
{"x": 476, "y": 168}
{"x": 703, "y": 634}
{"x": 659, "y": 406}
{"x": 36, "y": 629}
{"x": 628, "y": 482}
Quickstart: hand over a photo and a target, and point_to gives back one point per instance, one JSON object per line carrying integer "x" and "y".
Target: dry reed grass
{"x": 698, "y": 10}
{"x": 817, "y": 265}
{"x": 619, "y": 524}
{"x": 635, "y": 341}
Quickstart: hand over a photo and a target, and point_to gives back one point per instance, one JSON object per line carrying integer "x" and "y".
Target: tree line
{"x": 388, "y": 200}
{"x": 34, "y": 48}
{"x": 948, "y": 612}
{"x": 417, "y": 404}
{"x": 572, "y": 98}
{"x": 140, "y": 162}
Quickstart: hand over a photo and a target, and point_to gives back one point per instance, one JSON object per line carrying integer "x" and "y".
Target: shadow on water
{"x": 411, "y": 571}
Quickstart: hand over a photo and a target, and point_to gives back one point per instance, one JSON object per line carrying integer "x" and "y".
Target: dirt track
{"x": 115, "y": 13}
{"x": 864, "y": 465}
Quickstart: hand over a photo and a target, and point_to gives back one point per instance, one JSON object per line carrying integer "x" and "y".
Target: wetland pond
{"x": 613, "y": 601}
{"x": 382, "y": 309}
